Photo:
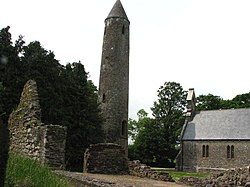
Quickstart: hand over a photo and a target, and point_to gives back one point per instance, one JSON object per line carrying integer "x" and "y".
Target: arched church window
{"x": 205, "y": 151}
{"x": 230, "y": 151}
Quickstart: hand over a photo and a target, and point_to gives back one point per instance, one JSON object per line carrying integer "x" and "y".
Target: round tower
{"x": 114, "y": 77}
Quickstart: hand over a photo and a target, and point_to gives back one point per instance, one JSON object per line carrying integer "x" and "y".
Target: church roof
{"x": 118, "y": 11}
{"x": 232, "y": 124}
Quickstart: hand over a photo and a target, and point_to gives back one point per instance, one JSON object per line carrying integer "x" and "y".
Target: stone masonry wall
{"x": 53, "y": 149}
{"x": 217, "y": 157}
{"x": 29, "y": 136}
{"x": 144, "y": 171}
{"x": 105, "y": 158}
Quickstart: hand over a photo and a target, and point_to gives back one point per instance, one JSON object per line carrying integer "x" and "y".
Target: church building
{"x": 214, "y": 139}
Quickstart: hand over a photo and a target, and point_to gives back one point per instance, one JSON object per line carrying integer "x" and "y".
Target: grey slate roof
{"x": 118, "y": 11}
{"x": 233, "y": 124}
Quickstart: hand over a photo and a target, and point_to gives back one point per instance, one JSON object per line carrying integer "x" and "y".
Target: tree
{"x": 67, "y": 97}
{"x": 150, "y": 145}
{"x": 241, "y": 101}
{"x": 212, "y": 102}
{"x": 11, "y": 73}
{"x": 155, "y": 138}
{"x": 169, "y": 115}
{"x": 134, "y": 127}
{"x": 208, "y": 102}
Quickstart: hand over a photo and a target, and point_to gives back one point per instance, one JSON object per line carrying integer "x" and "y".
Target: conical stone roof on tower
{"x": 118, "y": 11}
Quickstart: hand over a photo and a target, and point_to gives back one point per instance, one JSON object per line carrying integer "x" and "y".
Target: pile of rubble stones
{"x": 233, "y": 177}
{"x": 144, "y": 171}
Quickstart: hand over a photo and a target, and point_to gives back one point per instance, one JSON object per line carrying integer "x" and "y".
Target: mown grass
{"x": 25, "y": 172}
{"x": 176, "y": 175}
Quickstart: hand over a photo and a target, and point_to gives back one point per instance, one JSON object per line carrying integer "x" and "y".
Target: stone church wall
{"x": 217, "y": 157}
{"x": 189, "y": 156}
{"x": 30, "y": 137}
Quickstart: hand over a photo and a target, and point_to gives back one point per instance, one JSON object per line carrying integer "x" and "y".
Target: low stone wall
{"x": 141, "y": 170}
{"x": 105, "y": 158}
{"x": 30, "y": 137}
{"x": 230, "y": 178}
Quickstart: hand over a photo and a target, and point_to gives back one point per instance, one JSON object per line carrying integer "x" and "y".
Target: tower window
{"x": 123, "y": 29}
{"x": 124, "y": 128}
{"x": 105, "y": 30}
{"x": 103, "y": 98}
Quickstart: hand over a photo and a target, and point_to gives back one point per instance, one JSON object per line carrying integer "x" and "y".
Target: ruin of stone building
{"x": 30, "y": 137}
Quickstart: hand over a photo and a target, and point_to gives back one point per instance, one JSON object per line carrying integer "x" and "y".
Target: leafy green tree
{"x": 41, "y": 66}
{"x": 85, "y": 122}
{"x": 67, "y": 96}
{"x": 3, "y": 142}
{"x": 208, "y": 102}
{"x": 211, "y": 102}
{"x": 241, "y": 101}
{"x": 169, "y": 115}
{"x": 151, "y": 146}
{"x": 11, "y": 73}
{"x": 134, "y": 127}
{"x": 156, "y": 139}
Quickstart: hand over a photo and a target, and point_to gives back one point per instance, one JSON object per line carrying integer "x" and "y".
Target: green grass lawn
{"x": 176, "y": 175}
{"x": 25, "y": 172}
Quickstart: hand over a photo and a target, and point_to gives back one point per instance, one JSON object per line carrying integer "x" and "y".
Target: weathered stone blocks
{"x": 144, "y": 171}
{"x": 105, "y": 158}
{"x": 30, "y": 137}
{"x": 231, "y": 177}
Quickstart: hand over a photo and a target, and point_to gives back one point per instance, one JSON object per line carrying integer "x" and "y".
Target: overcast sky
{"x": 201, "y": 44}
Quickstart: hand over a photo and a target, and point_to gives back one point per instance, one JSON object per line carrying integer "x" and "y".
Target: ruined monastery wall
{"x": 30, "y": 137}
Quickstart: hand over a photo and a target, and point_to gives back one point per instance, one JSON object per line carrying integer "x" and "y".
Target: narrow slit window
{"x": 105, "y": 30}
{"x": 232, "y": 151}
{"x": 203, "y": 151}
{"x": 207, "y": 151}
{"x": 228, "y": 151}
{"x": 124, "y": 128}
{"x": 103, "y": 98}
{"x": 123, "y": 29}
